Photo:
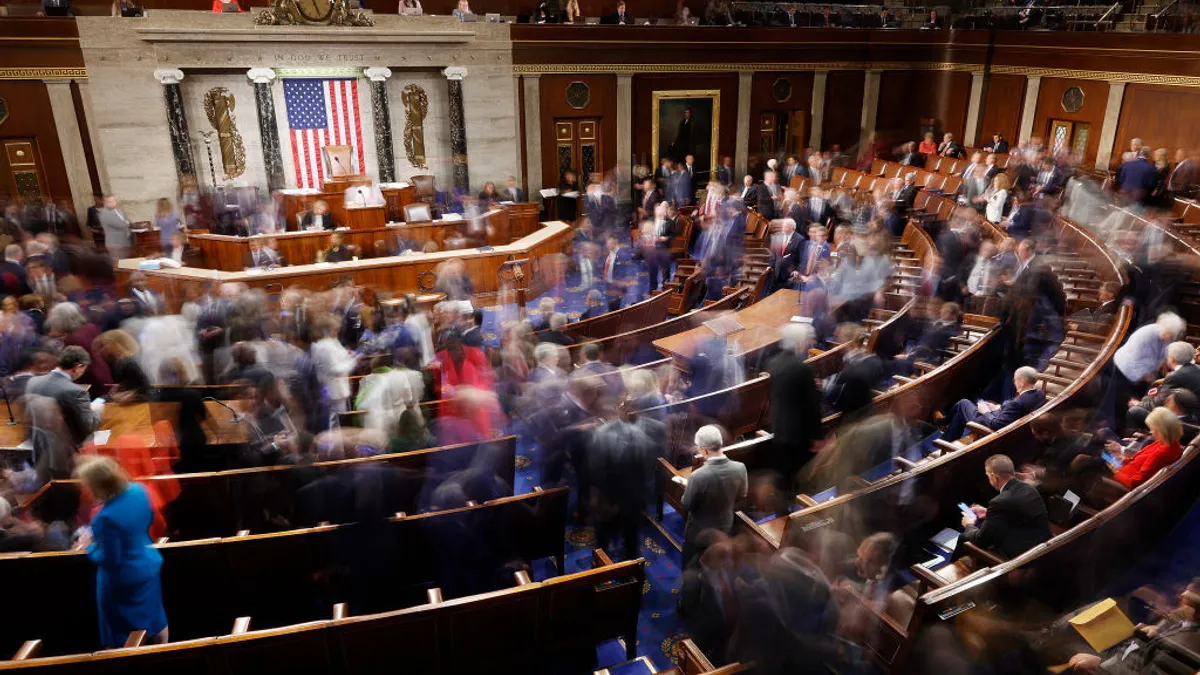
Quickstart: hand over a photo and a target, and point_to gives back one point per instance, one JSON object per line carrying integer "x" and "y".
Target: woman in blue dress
{"x": 128, "y": 588}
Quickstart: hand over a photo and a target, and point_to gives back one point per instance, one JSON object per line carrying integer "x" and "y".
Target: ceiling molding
{"x": 43, "y": 73}
{"x": 644, "y": 68}
{"x": 1101, "y": 75}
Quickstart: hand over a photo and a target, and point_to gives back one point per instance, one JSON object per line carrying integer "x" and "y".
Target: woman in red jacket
{"x": 1139, "y": 468}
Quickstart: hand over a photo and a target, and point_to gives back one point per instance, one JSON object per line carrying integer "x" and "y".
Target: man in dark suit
{"x": 148, "y": 302}
{"x": 908, "y": 193}
{"x": 554, "y": 333}
{"x": 1051, "y": 180}
{"x": 910, "y": 156}
{"x": 1014, "y": 521}
{"x": 651, "y": 196}
{"x": 820, "y": 211}
{"x": 785, "y": 254}
{"x": 595, "y": 305}
{"x": 998, "y": 145}
{"x": 815, "y": 250}
{"x": 725, "y": 172}
{"x": 682, "y": 147}
{"x": 768, "y": 195}
{"x": 949, "y": 147}
{"x": 1185, "y": 374}
{"x": 749, "y": 191}
{"x": 12, "y": 271}
{"x": 711, "y": 494}
{"x": 261, "y": 255}
{"x": 795, "y": 403}
{"x": 992, "y": 416}
{"x": 1182, "y": 178}
{"x": 791, "y": 168}
{"x": 851, "y": 391}
{"x": 615, "y": 272}
{"x": 512, "y": 193}
{"x": 1137, "y": 177}
{"x": 619, "y": 18}
{"x": 658, "y": 256}
{"x": 60, "y": 414}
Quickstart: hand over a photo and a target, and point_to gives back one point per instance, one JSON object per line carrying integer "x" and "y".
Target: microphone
{"x": 339, "y": 163}
{"x": 237, "y": 416}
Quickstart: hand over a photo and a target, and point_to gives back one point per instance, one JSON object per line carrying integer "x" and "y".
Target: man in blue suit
{"x": 1137, "y": 177}
{"x": 993, "y": 416}
{"x": 725, "y": 172}
{"x": 814, "y": 251}
{"x": 615, "y": 272}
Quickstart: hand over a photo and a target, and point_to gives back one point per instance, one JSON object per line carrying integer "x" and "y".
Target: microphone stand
{"x": 12, "y": 421}
{"x": 237, "y": 416}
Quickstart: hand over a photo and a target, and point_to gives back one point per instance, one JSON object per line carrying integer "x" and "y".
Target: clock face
{"x": 315, "y": 10}
{"x": 1072, "y": 99}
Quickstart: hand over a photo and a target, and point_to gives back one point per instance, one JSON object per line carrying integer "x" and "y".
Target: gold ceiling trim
{"x": 1101, "y": 75}
{"x": 43, "y": 73}
{"x": 650, "y": 68}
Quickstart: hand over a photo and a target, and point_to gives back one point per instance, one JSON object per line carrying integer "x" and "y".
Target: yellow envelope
{"x": 1103, "y": 625}
{"x": 1058, "y": 669}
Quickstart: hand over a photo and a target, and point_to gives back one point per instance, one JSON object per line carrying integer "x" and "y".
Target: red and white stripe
{"x": 345, "y": 128}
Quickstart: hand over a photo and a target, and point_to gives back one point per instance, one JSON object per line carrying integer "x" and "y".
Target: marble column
{"x": 974, "y": 110}
{"x": 1032, "y": 84}
{"x": 181, "y": 144}
{"x": 458, "y": 127}
{"x": 380, "y": 111}
{"x": 817, "y": 110}
{"x": 62, "y": 106}
{"x": 531, "y": 85}
{"x": 1108, "y": 133}
{"x": 870, "y": 109}
{"x": 742, "y": 148}
{"x": 268, "y": 127}
{"x": 625, "y": 132}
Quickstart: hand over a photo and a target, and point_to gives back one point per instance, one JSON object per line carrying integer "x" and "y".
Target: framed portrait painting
{"x": 686, "y": 122}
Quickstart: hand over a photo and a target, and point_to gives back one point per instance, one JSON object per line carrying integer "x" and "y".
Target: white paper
{"x": 549, "y": 192}
{"x": 1072, "y": 499}
{"x": 451, "y": 217}
{"x": 101, "y": 437}
{"x": 802, "y": 319}
{"x": 571, "y": 195}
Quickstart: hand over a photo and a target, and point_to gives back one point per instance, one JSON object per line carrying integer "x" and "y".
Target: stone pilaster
{"x": 62, "y": 106}
{"x": 458, "y": 127}
{"x": 380, "y": 112}
{"x": 820, "y": 81}
{"x": 1108, "y": 133}
{"x": 531, "y": 86}
{"x": 625, "y": 133}
{"x": 181, "y": 146}
{"x": 268, "y": 126}
{"x": 1033, "y": 83}
{"x": 741, "y": 151}
{"x": 870, "y": 109}
{"x": 974, "y": 110}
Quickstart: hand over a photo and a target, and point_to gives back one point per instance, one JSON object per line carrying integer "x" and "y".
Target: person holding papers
{"x": 1014, "y": 521}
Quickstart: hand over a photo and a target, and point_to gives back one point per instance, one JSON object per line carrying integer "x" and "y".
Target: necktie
{"x": 812, "y": 258}
{"x": 258, "y": 259}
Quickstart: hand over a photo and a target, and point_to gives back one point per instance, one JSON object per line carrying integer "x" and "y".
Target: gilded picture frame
{"x": 702, "y": 139}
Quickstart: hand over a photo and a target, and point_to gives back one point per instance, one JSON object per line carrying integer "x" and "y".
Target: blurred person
{"x": 1014, "y": 521}
{"x": 928, "y": 146}
{"x": 67, "y": 323}
{"x": 554, "y": 331}
{"x": 12, "y": 271}
{"x": 1140, "y": 360}
{"x": 128, "y": 588}
{"x": 795, "y": 403}
{"x": 785, "y": 255}
{"x": 621, "y": 457}
{"x": 333, "y": 363}
{"x": 336, "y": 252}
{"x": 595, "y": 305}
{"x": 768, "y": 196}
{"x": 871, "y": 576}
{"x": 850, "y": 391}
{"x": 452, "y": 280}
{"x": 1183, "y": 374}
{"x": 60, "y": 415}
{"x": 993, "y": 416}
{"x": 1137, "y": 177}
{"x": 948, "y": 147}
{"x": 166, "y": 221}
{"x": 120, "y": 350}
{"x": 711, "y": 494}
{"x": 117, "y": 233}
{"x": 149, "y": 303}
{"x": 318, "y": 218}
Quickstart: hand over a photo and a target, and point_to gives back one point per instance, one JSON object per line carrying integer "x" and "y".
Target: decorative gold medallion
{"x": 312, "y": 12}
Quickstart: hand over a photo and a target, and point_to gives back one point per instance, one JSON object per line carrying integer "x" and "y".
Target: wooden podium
{"x": 366, "y": 217}
{"x": 343, "y": 183}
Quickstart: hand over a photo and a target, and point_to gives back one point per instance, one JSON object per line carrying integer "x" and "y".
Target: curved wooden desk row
{"x": 219, "y": 503}
{"x": 639, "y": 315}
{"x": 939, "y": 478}
{"x": 501, "y": 225}
{"x": 514, "y": 631}
{"x": 865, "y": 183}
{"x": 393, "y": 273}
{"x": 277, "y": 577}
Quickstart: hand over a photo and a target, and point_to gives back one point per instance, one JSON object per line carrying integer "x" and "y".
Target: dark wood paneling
{"x": 645, "y": 85}
{"x": 30, "y": 116}
{"x": 1119, "y": 52}
{"x": 908, "y": 96}
{"x": 104, "y": 7}
{"x": 1003, "y": 97}
{"x": 602, "y": 105}
{"x": 762, "y": 99}
{"x": 1049, "y": 106}
{"x": 1163, "y": 117}
{"x": 39, "y": 43}
{"x": 843, "y": 108}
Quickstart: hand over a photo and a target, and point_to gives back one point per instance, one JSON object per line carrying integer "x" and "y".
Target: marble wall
{"x": 130, "y": 118}
{"x": 194, "y": 87}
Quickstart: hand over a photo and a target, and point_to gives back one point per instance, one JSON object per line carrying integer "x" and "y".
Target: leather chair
{"x": 339, "y": 160}
{"x": 425, "y": 188}
{"x": 418, "y": 213}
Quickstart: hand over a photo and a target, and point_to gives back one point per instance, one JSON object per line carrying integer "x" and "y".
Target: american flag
{"x": 321, "y": 112}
